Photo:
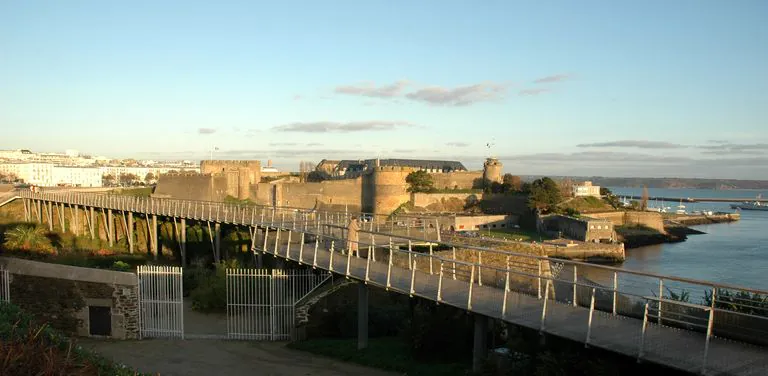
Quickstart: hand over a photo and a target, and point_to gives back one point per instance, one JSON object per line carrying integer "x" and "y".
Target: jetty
{"x": 698, "y": 199}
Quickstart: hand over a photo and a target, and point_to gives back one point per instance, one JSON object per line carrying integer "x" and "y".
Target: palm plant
{"x": 27, "y": 238}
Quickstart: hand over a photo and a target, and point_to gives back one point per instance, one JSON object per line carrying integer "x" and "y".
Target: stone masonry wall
{"x": 61, "y": 295}
{"x": 458, "y": 179}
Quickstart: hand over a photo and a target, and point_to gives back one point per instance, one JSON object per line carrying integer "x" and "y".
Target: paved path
{"x": 673, "y": 347}
{"x": 206, "y": 357}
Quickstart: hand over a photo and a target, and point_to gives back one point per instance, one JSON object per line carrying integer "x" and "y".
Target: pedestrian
{"x": 353, "y": 236}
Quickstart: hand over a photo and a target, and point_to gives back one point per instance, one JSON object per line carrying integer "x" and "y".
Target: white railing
{"x": 5, "y": 285}
{"x": 527, "y": 289}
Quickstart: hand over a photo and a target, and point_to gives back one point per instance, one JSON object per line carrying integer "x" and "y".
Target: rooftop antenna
{"x": 215, "y": 148}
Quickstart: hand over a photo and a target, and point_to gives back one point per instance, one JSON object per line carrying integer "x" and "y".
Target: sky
{"x": 606, "y": 88}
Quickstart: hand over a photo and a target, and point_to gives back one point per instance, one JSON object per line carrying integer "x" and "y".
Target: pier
{"x": 697, "y": 199}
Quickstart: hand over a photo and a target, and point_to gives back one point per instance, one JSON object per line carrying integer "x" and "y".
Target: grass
{"x": 514, "y": 234}
{"x": 388, "y": 353}
{"x": 627, "y": 230}
{"x": 134, "y": 192}
{"x": 587, "y": 204}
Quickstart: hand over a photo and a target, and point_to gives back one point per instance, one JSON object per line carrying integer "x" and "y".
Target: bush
{"x": 210, "y": 294}
{"x": 28, "y": 348}
{"x": 28, "y": 237}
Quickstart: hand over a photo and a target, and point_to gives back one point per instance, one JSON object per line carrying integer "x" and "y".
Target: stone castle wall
{"x": 458, "y": 180}
{"x": 389, "y": 189}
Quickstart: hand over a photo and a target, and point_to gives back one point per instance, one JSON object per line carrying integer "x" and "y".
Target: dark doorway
{"x": 99, "y": 321}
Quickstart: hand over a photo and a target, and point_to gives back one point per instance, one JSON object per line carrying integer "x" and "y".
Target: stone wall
{"x": 649, "y": 219}
{"x": 583, "y": 229}
{"x": 190, "y": 186}
{"x": 458, "y": 179}
{"x": 61, "y": 295}
{"x": 426, "y": 200}
{"x": 346, "y": 193}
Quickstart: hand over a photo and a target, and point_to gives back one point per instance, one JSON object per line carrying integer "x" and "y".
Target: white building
{"x": 586, "y": 189}
{"x": 76, "y": 176}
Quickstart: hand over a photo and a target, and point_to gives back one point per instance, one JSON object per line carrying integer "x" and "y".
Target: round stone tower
{"x": 389, "y": 188}
{"x": 492, "y": 170}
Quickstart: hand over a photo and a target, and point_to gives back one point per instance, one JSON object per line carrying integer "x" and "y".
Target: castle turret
{"x": 389, "y": 188}
{"x": 492, "y": 170}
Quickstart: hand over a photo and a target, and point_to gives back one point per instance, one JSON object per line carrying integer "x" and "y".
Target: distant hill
{"x": 667, "y": 182}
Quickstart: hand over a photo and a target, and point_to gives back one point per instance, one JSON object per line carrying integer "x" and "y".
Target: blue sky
{"x": 652, "y": 88}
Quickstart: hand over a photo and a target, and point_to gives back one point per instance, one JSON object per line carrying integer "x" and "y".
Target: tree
{"x": 128, "y": 179}
{"x": 108, "y": 180}
{"x": 512, "y": 183}
{"x": 544, "y": 196}
{"x": 609, "y": 197}
{"x": 419, "y": 181}
{"x": 604, "y": 191}
{"x": 149, "y": 178}
{"x": 305, "y": 168}
{"x": 644, "y": 199}
{"x": 566, "y": 187}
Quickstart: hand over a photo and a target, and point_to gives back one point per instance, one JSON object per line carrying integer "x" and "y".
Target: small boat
{"x": 680, "y": 208}
{"x": 755, "y": 205}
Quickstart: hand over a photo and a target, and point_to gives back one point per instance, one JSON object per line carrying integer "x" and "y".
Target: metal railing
{"x": 527, "y": 289}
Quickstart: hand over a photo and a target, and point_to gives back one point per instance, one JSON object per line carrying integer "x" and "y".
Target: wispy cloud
{"x": 457, "y": 144}
{"x": 314, "y": 144}
{"x": 283, "y": 144}
{"x": 369, "y": 89}
{"x": 460, "y": 95}
{"x": 298, "y": 97}
{"x": 736, "y": 148}
{"x": 552, "y": 79}
{"x": 206, "y": 131}
{"x": 536, "y": 91}
{"x": 641, "y": 144}
{"x": 734, "y": 152}
{"x": 339, "y": 127}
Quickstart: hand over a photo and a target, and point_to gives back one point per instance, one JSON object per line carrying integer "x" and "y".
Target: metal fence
{"x": 5, "y": 285}
{"x": 261, "y": 302}
{"x": 161, "y": 309}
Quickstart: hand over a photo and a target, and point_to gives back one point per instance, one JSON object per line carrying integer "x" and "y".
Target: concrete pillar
{"x": 183, "y": 240}
{"x": 110, "y": 227}
{"x": 155, "y": 246}
{"x": 362, "y": 316}
{"x": 129, "y": 235}
{"x": 217, "y": 242}
{"x": 479, "y": 351}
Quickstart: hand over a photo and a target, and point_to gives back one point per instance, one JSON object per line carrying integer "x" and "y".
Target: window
{"x": 494, "y": 226}
{"x": 502, "y": 225}
{"x": 99, "y": 321}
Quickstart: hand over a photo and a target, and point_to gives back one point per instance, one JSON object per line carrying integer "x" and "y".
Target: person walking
{"x": 353, "y": 236}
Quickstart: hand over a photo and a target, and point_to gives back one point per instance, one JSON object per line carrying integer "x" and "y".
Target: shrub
{"x": 121, "y": 266}
{"x": 28, "y": 237}
{"x": 32, "y": 349}
{"x": 211, "y": 293}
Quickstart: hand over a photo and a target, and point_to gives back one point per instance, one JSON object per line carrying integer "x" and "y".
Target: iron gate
{"x": 261, "y": 302}
{"x": 161, "y": 309}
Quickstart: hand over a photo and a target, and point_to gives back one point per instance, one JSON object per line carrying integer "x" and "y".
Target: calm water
{"x": 732, "y": 253}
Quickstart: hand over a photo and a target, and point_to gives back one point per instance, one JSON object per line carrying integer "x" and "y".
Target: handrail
{"x": 276, "y": 224}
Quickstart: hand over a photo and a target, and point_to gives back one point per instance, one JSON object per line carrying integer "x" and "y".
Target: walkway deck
{"x": 538, "y": 309}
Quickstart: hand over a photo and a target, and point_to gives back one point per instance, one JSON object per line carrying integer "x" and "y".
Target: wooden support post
{"x": 183, "y": 240}
{"x": 217, "y": 241}
{"x": 92, "y": 223}
{"x": 155, "y": 247}
{"x": 110, "y": 227}
{"x": 62, "y": 219}
{"x": 129, "y": 232}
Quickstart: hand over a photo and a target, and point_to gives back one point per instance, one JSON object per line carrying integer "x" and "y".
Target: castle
{"x": 375, "y": 186}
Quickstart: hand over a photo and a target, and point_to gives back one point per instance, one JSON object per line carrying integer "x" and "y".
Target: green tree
{"x": 544, "y": 195}
{"x": 149, "y": 178}
{"x": 128, "y": 179}
{"x": 512, "y": 183}
{"x": 27, "y": 238}
{"x": 108, "y": 180}
{"x": 419, "y": 181}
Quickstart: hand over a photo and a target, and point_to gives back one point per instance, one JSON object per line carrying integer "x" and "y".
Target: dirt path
{"x": 218, "y": 357}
